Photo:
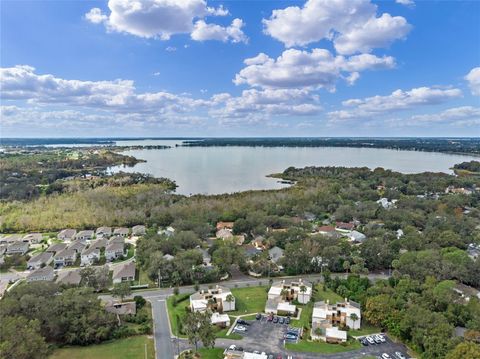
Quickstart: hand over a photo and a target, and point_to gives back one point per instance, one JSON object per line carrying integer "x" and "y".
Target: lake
{"x": 216, "y": 170}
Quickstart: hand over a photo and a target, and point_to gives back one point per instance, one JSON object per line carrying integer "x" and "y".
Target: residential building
{"x": 84, "y": 235}
{"x": 99, "y": 243}
{"x": 344, "y": 227}
{"x": 33, "y": 238}
{"x": 69, "y": 277}
{"x": 224, "y": 225}
{"x": 124, "y": 272}
{"x": 90, "y": 256}
{"x": 221, "y": 320}
{"x": 459, "y": 190}
{"x": 275, "y": 254}
{"x": 122, "y": 308}
{"x": 103, "y": 232}
{"x": 67, "y": 234}
{"x": 282, "y": 293}
{"x": 168, "y": 257}
{"x": 17, "y": 248}
{"x": 45, "y": 273}
{"x": 356, "y": 237}
{"x": 63, "y": 258}
{"x": 241, "y": 354}
{"x": 224, "y": 234}
{"x": 218, "y": 299}
{"x": 78, "y": 246}
{"x": 326, "y": 230}
{"x": 473, "y": 251}
{"x": 39, "y": 260}
{"x": 12, "y": 238}
{"x": 55, "y": 248}
{"x": 385, "y": 203}
{"x": 169, "y": 231}
{"x": 259, "y": 243}
{"x": 114, "y": 250}
{"x": 138, "y": 230}
{"x": 121, "y": 231}
{"x": 327, "y": 319}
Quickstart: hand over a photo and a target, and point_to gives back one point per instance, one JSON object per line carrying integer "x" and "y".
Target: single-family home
{"x": 282, "y": 293}
{"x": 275, "y": 254}
{"x": 63, "y": 258}
{"x": 221, "y": 320}
{"x": 344, "y": 227}
{"x": 260, "y": 243}
{"x": 99, "y": 243}
{"x": 326, "y": 230}
{"x": 224, "y": 233}
{"x": 326, "y": 317}
{"x": 356, "y": 237}
{"x": 39, "y": 260}
{"x": 218, "y": 299}
{"x": 459, "y": 190}
{"x": 123, "y": 272}
{"x": 117, "y": 239}
{"x": 69, "y": 277}
{"x": 103, "y": 232}
{"x": 67, "y": 234}
{"x": 114, "y": 250}
{"x": 473, "y": 251}
{"x": 45, "y": 273}
{"x": 12, "y": 238}
{"x": 121, "y": 231}
{"x": 251, "y": 251}
{"x": 84, "y": 235}
{"x": 33, "y": 238}
{"x": 122, "y": 308}
{"x": 90, "y": 256}
{"x": 3, "y": 249}
{"x": 169, "y": 231}
{"x": 78, "y": 246}
{"x": 57, "y": 247}
{"x": 138, "y": 230}
{"x": 17, "y": 248}
{"x": 224, "y": 225}
{"x": 385, "y": 203}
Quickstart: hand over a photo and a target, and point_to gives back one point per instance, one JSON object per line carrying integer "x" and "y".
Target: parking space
{"x": 384, "y": 346}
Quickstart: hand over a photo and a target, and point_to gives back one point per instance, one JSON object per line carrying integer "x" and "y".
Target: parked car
{"x": 370, "y": 340}
{"x": 376, "y": 339}
{"x": 281, "y": 320}
{"x": 232, "y": 347}
{"x": 258, "y": 316}
{"x": 287, "y": 320}
{"x": 242, "y": 322}
{"x": 240, "y": 328}
{"x": 270, "y": 356}
{"x": 380, "y": 337}
{"x": 386, "y": 356}
{"x": 399, "y": 355}
{"x": 275, "y": 319}
{"x": 364, "y": 342}
{"x": 270, "y": 318}
{"x": 290, "y": 337}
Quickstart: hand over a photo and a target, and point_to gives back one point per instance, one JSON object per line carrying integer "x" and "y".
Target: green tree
{"x": 121, "y": 290}
{"x": 354, "y": 318}
{"x": 198, "y": 327}
{"x": 20, "y": 339}
{"x": 465, "y": 350}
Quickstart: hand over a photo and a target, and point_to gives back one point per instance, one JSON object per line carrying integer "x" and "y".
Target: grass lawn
{"x": 177, "y": 312}
{"x": 128, "y": 348}
{"x": 322, "y": 347}
{"x": 203, "y": 353}
{"x": 249, "y": 300}
{"x": 222, "y": 333}
{"x": 364, "y": 330}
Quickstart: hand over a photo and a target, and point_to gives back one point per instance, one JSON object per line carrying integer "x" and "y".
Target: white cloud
{"x": 304, "y": 69}
{"x": 159, "y": 19}
{"x": 405, "y": 2}
{"x": 398, "y": 100}
{"x": 456, "y": 114}
{"x": 203, "y": 31}
{"x": 473, "y": 78}
{"x": 352, "y": 25}
{"x": 171, "y": 49}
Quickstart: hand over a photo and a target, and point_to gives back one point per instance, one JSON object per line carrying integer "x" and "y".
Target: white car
{"x": 232, "y": 347}
{"x": 370, "y": 340}
{"x": 399, "y": 355}
{"x": 240, "y": 328}
{"x": 380, "y": 337}
{"x": 386, "y": 356}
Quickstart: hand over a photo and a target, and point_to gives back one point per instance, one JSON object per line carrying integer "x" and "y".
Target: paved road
{"x": 163, "y": 342}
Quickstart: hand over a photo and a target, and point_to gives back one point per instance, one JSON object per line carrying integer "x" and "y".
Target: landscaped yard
{"x": 249, "y": 300}
{"x": 177, "y": 312}
{"x": 365, "y": 329}
{"x": 214, "y": 353}
{"x": 128, "y": 348}
{"x": 322, "y": 347}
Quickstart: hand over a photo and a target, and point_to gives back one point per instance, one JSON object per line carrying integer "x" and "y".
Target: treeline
{"x": 472, "y": 166}
{"x": 458, "y": 145}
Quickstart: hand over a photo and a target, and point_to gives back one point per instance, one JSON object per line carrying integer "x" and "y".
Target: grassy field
{"x": 322, "y": 347}
{"x": 215, "y": 353}
{"x": 128, "y": 348}
{"x": 365, "y": 329}
{"x": 249, "y": 300}
{"x": 177, "y": 312}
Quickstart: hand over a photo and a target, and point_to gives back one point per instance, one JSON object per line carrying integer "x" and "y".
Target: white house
{"x": 90, "y": 256}
{"x": 66, "y": 257}
{"x": 218, "y": 299}
{"x": 281, "y": 294}
{"x": 67, "y": 234}
{"x": 114, "y": 250}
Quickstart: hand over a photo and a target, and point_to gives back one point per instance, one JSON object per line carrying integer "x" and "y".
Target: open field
{"x": 128, "y": 348}
{"x": 249, "y": 300}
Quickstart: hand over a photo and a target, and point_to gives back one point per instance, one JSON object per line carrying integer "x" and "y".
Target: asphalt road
{"x": 161, "y": 331}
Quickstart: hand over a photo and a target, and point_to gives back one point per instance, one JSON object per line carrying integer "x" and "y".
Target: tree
{"x": 303, "y": 290}
{"x": 121, "y": 290}
{"x": 20, "y": 339}
{"x": 346, "y": 266}
{"x": 229, "y": 299}
{"x": 465, "y": 350}
{"x": 377, "y": 309}
{"x": 283, "y": 294}
{"x": 354, "y": 318}
{"x": 198, "y": 327}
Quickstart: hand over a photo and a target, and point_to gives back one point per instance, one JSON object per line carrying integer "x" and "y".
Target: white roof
{"x": 274, "y": 290}
{"x": 286, "y": 307}
{"x": 247, "y": 355}
{"x": 220, "y": 318}
{"x": 336, "y": 333}
{"x": 319, "y": 312}
{"x": 199, "y": 304}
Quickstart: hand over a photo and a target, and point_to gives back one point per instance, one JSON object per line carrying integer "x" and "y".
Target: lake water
{"x": 216, "y": 170}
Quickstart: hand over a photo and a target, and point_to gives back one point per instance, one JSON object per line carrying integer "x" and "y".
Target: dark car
{"x": 287, "y": 320}
{"x": 242, "y": 322}
{"x": 364, "y": 342}
{"x": 281, "y": 320}
{"x": 275, "y": 319}
{"x": 258, "y": 316}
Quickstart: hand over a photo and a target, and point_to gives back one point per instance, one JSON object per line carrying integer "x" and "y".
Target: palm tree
{"x": 354, "y": 318}
{"x": 303, "y": 290}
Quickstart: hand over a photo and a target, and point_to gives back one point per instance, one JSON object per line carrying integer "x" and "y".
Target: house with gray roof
{"x": 124, "y": 272}
{"x": 17, "y": 248}
{"x": 11, "y": 238}
{"x": 55, "y": 248}
{"x": 114, "y": 250}
{"x": 99, "y": 243}
{"x": 33, "y": 238}
{"x": 69, "y": 277}
{"x": 66, "y": 257}
{"x": 67, "y": 234}
{"x": 39, "y": 260}
{"x": 275, "y": 254}
{"x": 138, "y": 230}
{"x": 356, "y": 237}
{"x": 77, "y": 246}
{"x": 103, "y": 232}
{"x": 45, "y": 273}
{"x": 84, "y": 235}
{"x": 121, "y": 231}
{"x": 90, "y": 256}
{"x": 122, "y": 308}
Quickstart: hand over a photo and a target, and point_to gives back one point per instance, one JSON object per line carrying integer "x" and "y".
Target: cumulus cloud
{"x": 304, "y": 69}
{"x": 473, "y": 79}
{"x": 203, "y": 31}
{"x": 405, "y": 2}
{"x": 398, "y": 100}
{"x": 160, "y": 19}
{"x": 463, "y": 114}
{"x": 352, "y": 25}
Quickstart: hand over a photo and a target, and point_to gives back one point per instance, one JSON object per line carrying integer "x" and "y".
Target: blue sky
{"x": 236, "y": 68}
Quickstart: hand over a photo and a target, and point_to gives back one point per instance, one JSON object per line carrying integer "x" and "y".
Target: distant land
{"x": 461, "y": 145}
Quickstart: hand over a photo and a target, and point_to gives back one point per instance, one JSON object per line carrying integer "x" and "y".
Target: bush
{"x": 140, "y": 301}
{"x": 123, "y": 332}
{"x": 176, "y": 290}
{"x": 145, "y": 329}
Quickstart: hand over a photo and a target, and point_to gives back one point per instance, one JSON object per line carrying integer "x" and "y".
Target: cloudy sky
{"x": 240, "y": 68}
